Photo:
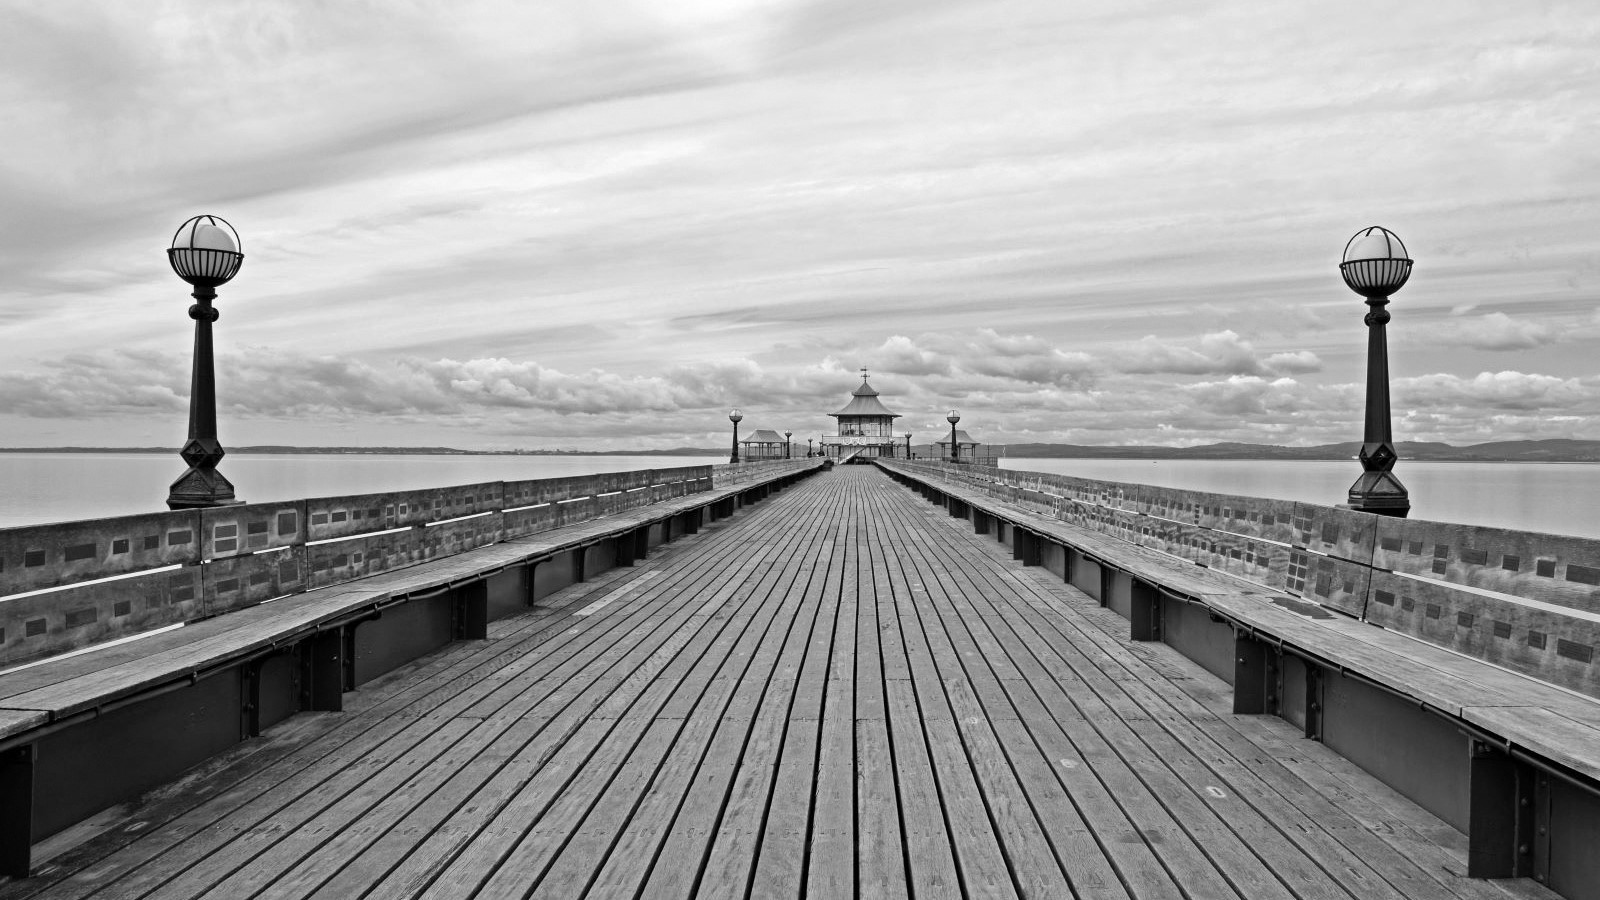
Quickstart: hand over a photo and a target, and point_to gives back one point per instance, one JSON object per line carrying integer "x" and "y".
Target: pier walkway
{"x": 840, "y": 692}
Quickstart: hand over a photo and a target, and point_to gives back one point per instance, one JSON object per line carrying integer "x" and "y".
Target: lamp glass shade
{"x": 205, "y": 251}
{"x": 1375, "y": 262}
{"x": 1375, "y": 242}
{"x": 734, "y": 415}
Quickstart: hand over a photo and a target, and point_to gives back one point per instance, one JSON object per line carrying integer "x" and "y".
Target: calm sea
{"x": 57, "y": 487}
{"x": 1559, "y": 498}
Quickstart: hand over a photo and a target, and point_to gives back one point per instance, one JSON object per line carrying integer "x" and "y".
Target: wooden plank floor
{"x": 841, "y": 692}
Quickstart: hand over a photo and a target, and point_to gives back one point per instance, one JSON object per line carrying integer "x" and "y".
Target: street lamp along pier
{"x": 206, "y": 252}
{"x": 1375, "y": 265}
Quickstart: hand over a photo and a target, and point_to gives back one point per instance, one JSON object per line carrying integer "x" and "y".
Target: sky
{"x": 502, "y": 225}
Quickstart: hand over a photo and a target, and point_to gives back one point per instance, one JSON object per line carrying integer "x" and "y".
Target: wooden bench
{"x": 83, "y": 731}
{"x": 1452, "y": 662}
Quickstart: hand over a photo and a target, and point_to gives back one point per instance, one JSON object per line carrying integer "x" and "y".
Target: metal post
{"x": 1375, "y": 266}
{"x": 1378, "y": 490}
{"x": 202, "y": 485}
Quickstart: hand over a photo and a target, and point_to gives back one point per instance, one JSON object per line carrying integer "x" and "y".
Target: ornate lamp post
{"x": 808, "y": 448}
{"x": 206, "y": 253}
{"x": 1375, "y": 266}
{"x": 908, "y": 445}
{"x": 734, "y": 416}
{"x": 786, "y": 443}
{"x": 955, "y": 449}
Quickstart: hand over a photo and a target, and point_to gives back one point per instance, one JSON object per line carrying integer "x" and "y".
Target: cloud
{"x": 502, "y": 221}
{"x": 1297, "y": 362}
{"x": 900, "y": 355}
{"x": 1497, "y": 331}
{"x": 95, "y": 385}
{"x": 261, "y": 382}
{"x": 1028, "y": 359}
{"x": 1499, "y": 391}
{"x": 1217, "y": 353}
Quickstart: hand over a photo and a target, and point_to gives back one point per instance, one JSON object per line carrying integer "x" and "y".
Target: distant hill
{"x": 1555, "y": 450}
{"x": 393, "y": 451}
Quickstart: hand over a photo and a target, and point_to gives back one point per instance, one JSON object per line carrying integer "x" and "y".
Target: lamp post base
{"x": 1380, "y": 493}
{"x": 202, "y": 485}
{"x": 201, "y": 488}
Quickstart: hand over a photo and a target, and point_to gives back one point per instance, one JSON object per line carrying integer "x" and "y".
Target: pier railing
{"x": 1523, "y": 600}
{"x": 725, "y": 474}
{"x": 71, "y": 584}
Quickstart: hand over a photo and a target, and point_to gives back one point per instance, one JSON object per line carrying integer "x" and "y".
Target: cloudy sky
{"x": 579, "y": 224}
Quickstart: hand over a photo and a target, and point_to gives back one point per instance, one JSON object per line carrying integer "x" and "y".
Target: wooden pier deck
{"x": 839, "y": 693}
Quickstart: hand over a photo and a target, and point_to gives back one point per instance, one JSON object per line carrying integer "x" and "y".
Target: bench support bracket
{"x": 1500, "y": 832}
{"x": 16, "y": 809}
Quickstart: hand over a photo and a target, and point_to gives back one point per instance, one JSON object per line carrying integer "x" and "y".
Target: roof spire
{"x": 863, "y": 374}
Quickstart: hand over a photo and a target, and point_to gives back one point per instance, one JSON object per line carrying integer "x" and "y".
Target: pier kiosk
{"x": 865, "y": 426}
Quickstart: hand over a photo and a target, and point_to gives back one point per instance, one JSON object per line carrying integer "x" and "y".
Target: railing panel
{"x": 42, "y": 556}
{"x": 258, "y": 552}
{"x": 1262, "y": 562}
{"x": 1250, "y": 516}
{"x": 1342, "y": 533}
{"x": 237, "y": 530}
{"x": 1341, "y": 559}
{"x": 57, "y": 621}
{"x": 1540, "y": 641}
{"x": 530, "y": 520}
{"x": 347, "y": 559}
{"x": 239, "y": 582}
{"x": 1165, "y": 535}
{"x": 1333, "y": 582}
{"x": 353, "y": 514}
{"x": 1548, "y": 567}
{"x": 733, "y": 473}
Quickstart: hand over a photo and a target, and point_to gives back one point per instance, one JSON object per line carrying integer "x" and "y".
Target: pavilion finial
{"x": 863, "y": 373}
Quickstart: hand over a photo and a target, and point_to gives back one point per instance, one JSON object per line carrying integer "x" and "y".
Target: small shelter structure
{"x": 764, "y": 444}
{"x": 865, "y": 425}
{"x": 969, "y": 449}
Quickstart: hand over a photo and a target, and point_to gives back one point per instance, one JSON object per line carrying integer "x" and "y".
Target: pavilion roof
{"x": 864, "y": 402}
{"x": 961, "y": 438}
{"x": 764, "y": 436}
